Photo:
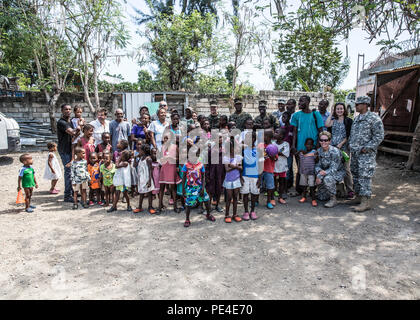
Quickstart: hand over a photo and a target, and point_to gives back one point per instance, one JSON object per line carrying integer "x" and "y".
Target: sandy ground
{"x": 292, "y": 252}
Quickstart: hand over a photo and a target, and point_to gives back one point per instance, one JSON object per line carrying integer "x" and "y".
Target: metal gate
{"x": 133, "y": 101}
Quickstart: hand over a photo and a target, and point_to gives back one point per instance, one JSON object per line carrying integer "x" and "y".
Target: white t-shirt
{"x": 98, "y": 130}
{"x": 281, "y": 163}
{"x": 158, "y": 128}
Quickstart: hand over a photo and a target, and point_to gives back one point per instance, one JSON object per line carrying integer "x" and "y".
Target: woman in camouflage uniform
{"x": 329, "y": 170}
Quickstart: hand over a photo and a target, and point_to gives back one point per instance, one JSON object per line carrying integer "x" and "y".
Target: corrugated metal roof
{"x": 414, "y": 66}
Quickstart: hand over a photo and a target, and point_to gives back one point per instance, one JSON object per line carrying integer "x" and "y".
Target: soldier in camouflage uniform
{"x": 366, "y": 134}
{"x": 214, "y": 116}
{"x": 329, "y": 170}
{"x": 239, "y": 117}
{"x": 259, "y": 120}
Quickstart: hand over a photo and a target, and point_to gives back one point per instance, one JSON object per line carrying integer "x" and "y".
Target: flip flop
{"x": 237, "y": 218}
{"x": 228, "y": 219}
{"x": 210, "y": 217}
{"x": 137, "y": 210}
{"x": 187, "y": 223}
{"x": 152, "y": 211}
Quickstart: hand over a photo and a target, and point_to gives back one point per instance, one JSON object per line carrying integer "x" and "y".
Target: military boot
{"x": 332, "y": 202}
{"x": 364, "y": 205}
{"x": 357, "y": 200}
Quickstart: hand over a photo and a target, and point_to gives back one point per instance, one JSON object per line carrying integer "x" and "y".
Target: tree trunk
{"x": 52, "y": 107}
{"x": 415, "y": 149}
{"x": 95, "y": 84}
{"x": 85, "y": 81}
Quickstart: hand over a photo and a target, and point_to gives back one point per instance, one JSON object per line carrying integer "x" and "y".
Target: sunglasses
{"x": 324, "y": 140}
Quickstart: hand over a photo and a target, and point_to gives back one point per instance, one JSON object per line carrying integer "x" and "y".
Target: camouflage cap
{"x": 262, "y": 103}
{"x": 237, "y": 101}
{"x": 281, "y": 101}
{"x": 362, "y": 99}
{"x": 213, "y": 103}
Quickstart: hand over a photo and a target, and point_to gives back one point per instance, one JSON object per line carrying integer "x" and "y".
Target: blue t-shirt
{"x": 306, "y": 128}
{"x": 250, "y": 163}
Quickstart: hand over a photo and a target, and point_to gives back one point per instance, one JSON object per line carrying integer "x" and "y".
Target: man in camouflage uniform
{"x": 239, "y": 117}
{"x": 366, "y": 134}
{"x": 214, "y": 116}
{"x": 281, "y": 104}
{"x": 259, "y": 120}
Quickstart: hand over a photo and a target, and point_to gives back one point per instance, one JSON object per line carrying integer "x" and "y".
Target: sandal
{"x": 138, "y": 210}
{"x": 237, "y": 218}
{"x": 228, "y": 219}
{"x": 302, "y": 200}
{"x": 152, "y": 211}
{"x": 187, "y": 223}
{"x": 314, "y": 203}
{"x": 75, "y": 206}
{"x": 210, "y": 217}
{"x": 282, "y": 201}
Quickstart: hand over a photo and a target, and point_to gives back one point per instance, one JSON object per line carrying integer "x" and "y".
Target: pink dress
{"x": 155, "y": 177}
{"x": 89, "y": 147}
{"x": 168, "y": 173}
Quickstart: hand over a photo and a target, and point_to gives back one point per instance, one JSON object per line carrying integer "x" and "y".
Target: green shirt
{"x": 28, "y": 177}
{"x": 108, "y": 175}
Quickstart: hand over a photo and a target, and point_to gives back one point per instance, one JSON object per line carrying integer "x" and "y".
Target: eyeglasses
{"x": 324, "y": 140}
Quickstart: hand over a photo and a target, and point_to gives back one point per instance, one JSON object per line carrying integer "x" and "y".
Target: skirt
{"x": 229, "y": 185}
{"x": 168, "y": 174}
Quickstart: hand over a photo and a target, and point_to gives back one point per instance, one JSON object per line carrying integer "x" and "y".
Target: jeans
{"x": 68, "y": 190}
{"x": 289, "y": 177}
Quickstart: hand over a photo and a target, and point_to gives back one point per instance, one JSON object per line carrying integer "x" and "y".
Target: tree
{"x": 93, "y": 28}
{"x": 181, "y": 45}
{"x": 249, "y": 39}
{"x": 308, "y": 55}
{"x": 52, "y": 55}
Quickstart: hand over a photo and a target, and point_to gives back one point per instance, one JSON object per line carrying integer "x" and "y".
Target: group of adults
{"x": 346, "y": 148}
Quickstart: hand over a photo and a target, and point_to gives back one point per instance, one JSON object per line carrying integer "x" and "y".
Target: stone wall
{"x": 33, "y": 105}
{"x": 201, "y": 103}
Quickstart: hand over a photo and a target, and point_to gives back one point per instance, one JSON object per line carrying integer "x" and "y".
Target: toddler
{"x": 307, "y": 159}
{"x": 52, "y": 169}
{"x": 27, "y": 180}
{"x": 79, "y": 176}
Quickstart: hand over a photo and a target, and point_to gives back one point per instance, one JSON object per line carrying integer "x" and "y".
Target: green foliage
{"x": 341, "y": 94}
{"x": 309, "y": 54}
{"x": 181, "y": 45}
{"x": 146, "y": 83}
{"x": 215, "y": 83}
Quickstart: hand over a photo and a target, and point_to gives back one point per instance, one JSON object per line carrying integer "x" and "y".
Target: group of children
{"x": 108, "y": 173}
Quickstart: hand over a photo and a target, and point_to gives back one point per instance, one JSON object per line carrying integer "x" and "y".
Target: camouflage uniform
{"x": 240, "y": 119}
{"x": 367, "y": 132}
{"x": 331, "y": 162}
{"x": 214, "y": 121}
{"x": 273, "y": 120}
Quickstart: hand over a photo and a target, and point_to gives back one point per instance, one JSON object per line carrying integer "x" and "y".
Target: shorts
{"x": 229, "y": 185}
{"x": 122, "y": 188}
{"x": 250, "y": 186}
{"x": 83, "y": 185}
{"x": 268, "y": 180}
{"x": 307, "y": 180}
{"x": 280, "y": 174}
{"x": 192, "y": 195}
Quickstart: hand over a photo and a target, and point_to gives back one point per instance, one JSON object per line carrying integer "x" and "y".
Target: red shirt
{"x": 269, "y": 164}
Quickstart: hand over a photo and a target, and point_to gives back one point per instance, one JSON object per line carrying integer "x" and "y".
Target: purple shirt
{"x": 233, "y": 174}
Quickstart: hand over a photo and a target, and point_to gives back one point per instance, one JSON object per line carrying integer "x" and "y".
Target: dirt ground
{"x": 292, "y": 252}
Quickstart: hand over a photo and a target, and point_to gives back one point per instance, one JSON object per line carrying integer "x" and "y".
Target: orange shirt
{"x": 94, "y": 172}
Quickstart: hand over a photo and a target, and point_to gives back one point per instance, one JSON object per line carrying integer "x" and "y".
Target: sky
{"x": 129, "y": 68}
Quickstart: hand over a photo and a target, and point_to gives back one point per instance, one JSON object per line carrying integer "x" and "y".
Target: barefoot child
{"x": 27, "y": 180}
{"x": 280, "y": 168}
{"x": 95, "y": 180}
{"x": 107, "y": 176}
{"x": 122, "y": 180}
{"x": 79, "y": 176}
{"x": 307, "y": 159}
{"x": 193, "y": 188}
{"x": 145, "y": 181}
{"x": 52, "y": 169}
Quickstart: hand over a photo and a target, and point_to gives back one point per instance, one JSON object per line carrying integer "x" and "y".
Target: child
{"x": 145, "y": 181}
{"x": 52, "y": 169}
{"x": 194, "y": 188}
{"x": 122, "y": 180}
{"x": 307, "y": 159}
{"x": 77, "y": 121}
{"x": 280, "y": 168}
{"x": 183, "y": 150}
{"x": 288, "y": 137}
{"x": 168, "y": 173}
{"x": 250, "y": 175}
{"x": 121, "y": 146}
{"x": 95, "y": 179}
{"x": 156, "y": 172}
{"x": 215, "y": 173}
{"x": 232, "y": 183}
{"x": 105, "y": 144}
{"x": 79, "y": 176}
{"x": 27, "y": 180}
{"x": 268, "y": 173}
{"x": 107, "y": 170}
{"x": 267, "y": 124}
{"x": 87, "y": 141}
